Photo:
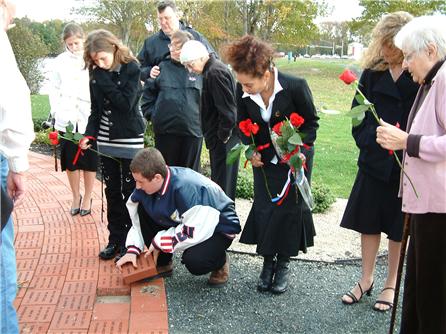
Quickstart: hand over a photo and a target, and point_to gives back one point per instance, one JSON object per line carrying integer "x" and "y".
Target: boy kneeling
{"x": 174, "y": 209}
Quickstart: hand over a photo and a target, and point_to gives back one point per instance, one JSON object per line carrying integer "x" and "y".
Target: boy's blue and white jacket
{"x": 189, "y": 205}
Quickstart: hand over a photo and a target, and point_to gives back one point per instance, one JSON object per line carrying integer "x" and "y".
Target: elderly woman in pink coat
{"x": 423, "y": 42}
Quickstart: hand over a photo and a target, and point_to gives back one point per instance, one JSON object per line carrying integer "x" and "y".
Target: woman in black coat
{"x": 373, "y": 206}
{"x": 117, "y": 125}
{"x": 267, "y": 97}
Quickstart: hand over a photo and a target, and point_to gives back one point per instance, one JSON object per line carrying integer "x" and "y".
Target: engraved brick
{"x": 35, "y": 243}
{"x": 86, "y": 262}
{"x": 27, "y": 264}
{"x": 33, "y": 328}
{"x": 41, "y": 297}
{"x": 79, "y": 243}
{"x": 56, "y": 248}
{"x": 79, "y": 288}
{"x": 52, "y": 269}
{"x": 77, "y": 302}
{"x": 85, "y": 252}
{"x": 58, "y": 239}
{"x": 58, "y": 231}
{"x": 31, "y": 228}
{"x": 112, "y": 286}
{"x": 47, "y": 282}
{"x": 24, "y": 276}
{"x": 30, "y": 236}
{"x": 82, "y": 274}
{"x": 108, "y": 268}
{"x": 24, "y": 221}
{"x": 145, "y": 268}
{"x": 36, "y": 313}
{"x": 54, "y": 258}
{"x": 109, "y": 326}
{"x": 71, "y": 320}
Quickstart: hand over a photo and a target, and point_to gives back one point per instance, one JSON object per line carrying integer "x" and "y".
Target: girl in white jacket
{"x": 70, "y": 102}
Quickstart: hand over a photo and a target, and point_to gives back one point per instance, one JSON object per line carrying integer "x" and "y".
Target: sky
{"x": 41, "y": 10}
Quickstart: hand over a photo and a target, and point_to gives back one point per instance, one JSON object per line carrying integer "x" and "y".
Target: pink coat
{"x": 428, "y": 171}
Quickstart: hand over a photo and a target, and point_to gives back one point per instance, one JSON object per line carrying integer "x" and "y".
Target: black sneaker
{"x": 121, "y": 253}
{"x": 108, "y": 252}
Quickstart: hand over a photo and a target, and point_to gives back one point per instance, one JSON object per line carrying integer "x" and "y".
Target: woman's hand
{"x": 390, "y": 137}
{"x": 256, "y": 160}
{"x": 83, "y": 143}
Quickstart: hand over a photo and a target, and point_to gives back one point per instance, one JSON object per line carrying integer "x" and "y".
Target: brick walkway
{"x": 64, "y": 287}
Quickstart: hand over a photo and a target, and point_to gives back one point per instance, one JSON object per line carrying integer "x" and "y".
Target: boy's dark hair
{"x": 162, "y": 5}
{"x": 149, "y": 162}
{"x": 182, "y": 36}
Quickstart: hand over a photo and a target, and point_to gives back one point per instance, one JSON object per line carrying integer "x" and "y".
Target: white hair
{"x": 416, "y": 35}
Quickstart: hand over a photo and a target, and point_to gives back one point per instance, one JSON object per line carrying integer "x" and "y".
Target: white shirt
{"x": 69, "y": 93}
{"x": 16, "y": 125}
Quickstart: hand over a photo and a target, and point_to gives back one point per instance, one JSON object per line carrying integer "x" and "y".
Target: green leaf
{"x": 249, "y": 152}
{"x": 69, "y": 128}
{"x": 77, "y": 136}
{"x": 295, "y": 139}
{"x": 234, "y": 154}
{"x": 296, "y": 161}
{"x": 68, "y": 135}
{"x": 359, "y": 98}
{"x": 287, "y": 130}
{"x": 357, "y": 120}
{"x": 357, "y": 111}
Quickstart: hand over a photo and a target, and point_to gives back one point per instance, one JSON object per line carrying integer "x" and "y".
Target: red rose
{"x": 277, "y": 128}
{"x": 54, "y": 137}
{"x": 248, "y": 128}
{"x": 348, "y": 77}
{"x": 296, "y": 120}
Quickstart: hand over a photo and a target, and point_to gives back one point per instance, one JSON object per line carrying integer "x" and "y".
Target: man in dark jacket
{"x": 218, "y": 111}
{"x": 173, "y": 103}
{"x": 155, "y": 48}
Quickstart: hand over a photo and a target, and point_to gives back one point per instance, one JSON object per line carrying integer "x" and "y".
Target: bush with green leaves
{"x": 245, "y": 186}
{"x": 323, "y": 198}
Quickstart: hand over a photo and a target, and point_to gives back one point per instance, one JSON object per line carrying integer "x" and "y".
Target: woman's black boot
{"x": 266, "y": 276}
{"x": 280, "y": 284}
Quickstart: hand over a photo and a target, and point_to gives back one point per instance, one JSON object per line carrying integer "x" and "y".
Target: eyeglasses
{"x": 172, "y": 47}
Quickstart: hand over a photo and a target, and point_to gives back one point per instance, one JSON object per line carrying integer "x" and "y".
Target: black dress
{"x": 288, "y": 228}
{"x": 373, "y": 206}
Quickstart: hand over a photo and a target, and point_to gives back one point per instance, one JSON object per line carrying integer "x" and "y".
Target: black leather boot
{"x": 280, "y": 284}
{"x": 266, "y": 276}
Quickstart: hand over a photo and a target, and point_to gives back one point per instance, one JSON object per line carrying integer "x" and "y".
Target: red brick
{"x": 41, "y": 297}
{"x": 52, "y": 269}
{"x": 27, "y": 253}
{"x": 56, "y": 248}
{"x": 31, "y": 228}
{"x": 47, "y": 282}
{"x": 27, "y": 264}
{"x": 28, "y": 221}
{"x": 139, "y": 322}
{"x": 112, "y": 286}
{"x": 77, "y": 302}
{"x": 82, "y": 274}
{"x": 24, "y": 276}
{"x": 71, "y": 320}
{"x": 34, "y": 328}
{"x": 79, "y": 288}
{"x": 54, "y": 258}
{"x": 58, "y": 239}
{"x": 87, "y": 262}
{"x": 85, "y": 252}
{"x": 145, "y": 268}
{"x": 78, "y": 243}
{"x": 109, "y": 326}
{"x": 148, "y": 297}
{"x": 36, "y": 313}
{"x": 111, "y": 311}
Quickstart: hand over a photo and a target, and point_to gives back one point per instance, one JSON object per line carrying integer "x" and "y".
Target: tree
{"x": 28, "y": 49}
{"x": 50, "y": 33}
{"x": 375, "y": 9}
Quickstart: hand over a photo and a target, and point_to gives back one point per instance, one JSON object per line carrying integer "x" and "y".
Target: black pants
{"x": 182, "y": 151}
{"x": 119, "y": 184}
{"x": 424, "y": 303}
{"x": 221, "y": 173}
{"x": 200, "y": 259}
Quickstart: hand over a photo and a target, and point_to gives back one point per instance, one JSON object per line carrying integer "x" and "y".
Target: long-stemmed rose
{"x": 249, "y": 129}
{"x": 357, "y": 113}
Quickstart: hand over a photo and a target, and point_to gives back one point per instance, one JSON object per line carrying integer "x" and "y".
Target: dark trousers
{"x": 221, "y": 173}
{"x": 119, "y": 184}
{"x": 200, "y": 259}
{"x": 424, "y": 303}
{"x": 182, "y": 151}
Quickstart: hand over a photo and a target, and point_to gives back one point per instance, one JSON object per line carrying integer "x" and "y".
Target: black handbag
{"x": 6, "y": 207}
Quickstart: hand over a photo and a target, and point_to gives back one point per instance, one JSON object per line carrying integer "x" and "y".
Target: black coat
{"x": 155, "y": 49}
{"x": 295, "y": 97}
{"x": 172, "y": 101}
{"x": 393, "y": 101}
{"x": 218, "y": 102}
{"x": 116, "y": 92}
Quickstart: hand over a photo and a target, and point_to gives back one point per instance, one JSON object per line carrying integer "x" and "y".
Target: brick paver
{"x": 64, "y": 287}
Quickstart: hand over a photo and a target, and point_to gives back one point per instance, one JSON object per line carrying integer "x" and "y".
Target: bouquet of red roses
{"x": 287, "y": 141}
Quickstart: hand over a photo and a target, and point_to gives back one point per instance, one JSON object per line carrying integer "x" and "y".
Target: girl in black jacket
{"x": 116, "y": 124}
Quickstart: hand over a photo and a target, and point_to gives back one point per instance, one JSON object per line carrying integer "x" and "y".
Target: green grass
{"x": 336, "y": 153}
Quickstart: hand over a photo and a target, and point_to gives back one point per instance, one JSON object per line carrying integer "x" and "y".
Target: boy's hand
{"x": 129, "y": 257}
{"x": 155, "y": 252}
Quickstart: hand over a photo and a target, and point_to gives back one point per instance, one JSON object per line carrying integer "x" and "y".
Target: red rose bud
{"x": 348, "y": 77}
{"x": 277, "y": 128}
{"x": 245, "y": 127}
{"x": 54, "y": 137}
{"x": 296, "y": 120}
{"x": 254, "y": 128}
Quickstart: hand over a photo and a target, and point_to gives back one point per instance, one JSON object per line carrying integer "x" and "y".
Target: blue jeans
{"x": 8, "y": 273}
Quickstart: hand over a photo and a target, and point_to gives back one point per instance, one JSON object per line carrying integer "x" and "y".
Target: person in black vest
{"x": 373, "y": 206}
{"x": 173, "y": 103}
{"x": 117, "y": 124}
{"x": 218, "y": 112}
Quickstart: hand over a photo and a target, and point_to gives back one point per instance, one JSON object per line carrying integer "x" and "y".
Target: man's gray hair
{"x": 162, "y": 5}
{"x": 416, "y": 35}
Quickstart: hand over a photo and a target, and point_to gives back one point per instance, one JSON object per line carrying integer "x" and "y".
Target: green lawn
{"x": 336, "y": 153}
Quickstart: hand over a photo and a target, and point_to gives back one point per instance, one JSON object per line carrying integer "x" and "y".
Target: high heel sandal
{"x": 74, "y": 212}
{"x": 384, "y": 302}
{"x": 353, "y": 297}
{"x": 86, "y": 212}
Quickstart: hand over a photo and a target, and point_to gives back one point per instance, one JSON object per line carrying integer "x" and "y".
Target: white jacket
{"x": 16, "y": 125}
{"x": 69, "y": 92}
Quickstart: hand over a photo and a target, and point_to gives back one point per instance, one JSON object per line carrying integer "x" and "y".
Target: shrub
{"x": 245, "y": 185}
{"x": 323, "y": 198}
{"x": 42, "y": 137}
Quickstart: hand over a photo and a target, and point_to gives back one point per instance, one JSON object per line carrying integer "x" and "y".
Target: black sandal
{"x": 353, "y": 297}
{"x": 383, "y": 302}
